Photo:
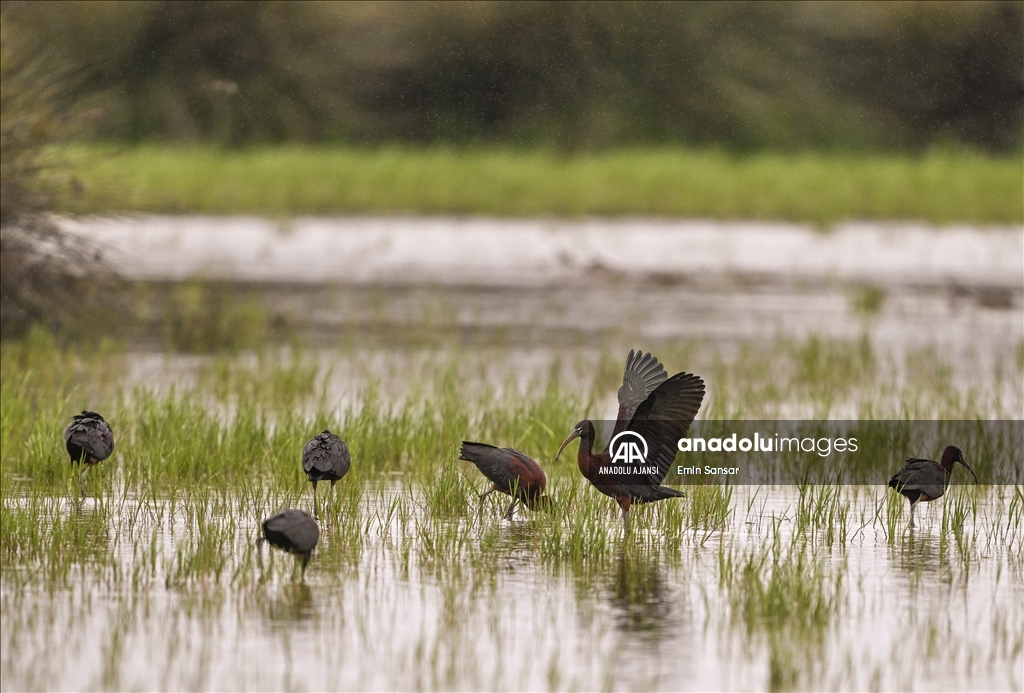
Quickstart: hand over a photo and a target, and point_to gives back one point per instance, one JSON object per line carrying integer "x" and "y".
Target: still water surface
{"x": 909, "y": 613}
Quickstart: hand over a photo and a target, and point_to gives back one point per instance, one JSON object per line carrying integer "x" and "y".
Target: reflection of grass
{"x": 781, "y": 586}
{"x": 940, "y": 187}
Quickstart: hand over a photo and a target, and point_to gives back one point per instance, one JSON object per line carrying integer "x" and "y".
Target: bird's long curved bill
{"x": 970, "y": 470}
{"x": 572, "y": 436}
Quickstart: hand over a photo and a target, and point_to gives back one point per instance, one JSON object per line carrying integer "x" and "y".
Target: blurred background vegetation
{"x": 742, "y": 75}
{"x": 803, "y": 111}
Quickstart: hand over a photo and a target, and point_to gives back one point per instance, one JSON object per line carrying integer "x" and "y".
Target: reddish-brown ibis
{"x": 513, "y": 473}
{"x": 926, "y": 480}
{"x": 89, "y": 441}
{"x": 293, "y": 531}
{"x": 657, "y": 408}
{"x": 325, "y": 458}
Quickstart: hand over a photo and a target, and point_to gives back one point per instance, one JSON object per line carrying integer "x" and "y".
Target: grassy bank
{"x": 939, "y": 188}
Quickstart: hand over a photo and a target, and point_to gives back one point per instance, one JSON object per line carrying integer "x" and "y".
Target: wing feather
{"x": 90, "y": 432}
{"x": 504, "y": 466}
{"x": 926, "y": 476}
{"x": 490, "y": 460}
{"x": 326, "y": 454}
{"x": 665, "y": 417}
{"x": 292, "y": 530}
{"x": 642, "y": 375}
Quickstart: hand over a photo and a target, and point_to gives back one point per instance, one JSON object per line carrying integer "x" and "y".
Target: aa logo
{"x": 628, "y": 447}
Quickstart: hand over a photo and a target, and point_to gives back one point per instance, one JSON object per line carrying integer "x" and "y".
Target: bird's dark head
{"x": 584, "y": 430}
{"x": 953, "y": 454}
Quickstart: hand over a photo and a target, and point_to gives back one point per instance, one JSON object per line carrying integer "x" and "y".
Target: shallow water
{"x": 410, "y": 599}
{"x": 382, "y": 283}
{"x": 908, "y": 614}
{"x": 480, "y": 251}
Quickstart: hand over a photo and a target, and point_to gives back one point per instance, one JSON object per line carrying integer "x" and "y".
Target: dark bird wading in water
{"x": 293, "y": 531}
{"x": 89, "y": 441}
{"x": 658, "y": 408}
{"x": 514, "y": 473}
{"x": 325, "y": 458}
{"x": 926, "y": 480}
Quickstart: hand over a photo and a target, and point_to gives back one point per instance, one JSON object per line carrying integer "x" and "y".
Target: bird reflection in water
{"x": 641, "y": 594}
{"x": 292, "y": 603}
{"x": 920, "y": 558}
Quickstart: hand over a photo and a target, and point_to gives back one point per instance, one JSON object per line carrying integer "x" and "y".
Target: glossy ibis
{"x": 293, "y": 531}
{"x": 513, "y": 473}
{"x": 925, "y": 480}
{"x": 325, "y": 458}
{"x": 658, "y": 408}
{"x": 89, "y": 441}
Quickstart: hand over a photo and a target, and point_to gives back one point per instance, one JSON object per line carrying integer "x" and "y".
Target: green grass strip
{"x": 940, "y": 187}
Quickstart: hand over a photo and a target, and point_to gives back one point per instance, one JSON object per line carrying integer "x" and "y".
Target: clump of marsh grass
{"x": 781, "y": 587}
{"x": 709, "y": 506}
{"x": 449, "y": 494}
{"x": 583, "y": 531}
{"x": 822, "y": 515}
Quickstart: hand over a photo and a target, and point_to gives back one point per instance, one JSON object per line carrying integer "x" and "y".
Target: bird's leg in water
{"x": 511, "y": 509}
{"x": 624, "y": 503}
{"x": 81, "y": 480}
{"x": 305, "y": 562}
{"x": 316, "y": 508}
{"x": 333, "y": 482}
{"x": 912, "y": 506}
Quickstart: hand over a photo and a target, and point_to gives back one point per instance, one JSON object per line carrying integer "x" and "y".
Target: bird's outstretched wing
{"x": 642, "y": 375}
{"x": 665, "y": 417}
{"x": 326, "y": 453}
{"x": 90, "y": 432}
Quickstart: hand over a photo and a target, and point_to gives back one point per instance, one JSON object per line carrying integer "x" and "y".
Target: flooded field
{"x": 399, "y": 600}
{"x": 153, "y": 582}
